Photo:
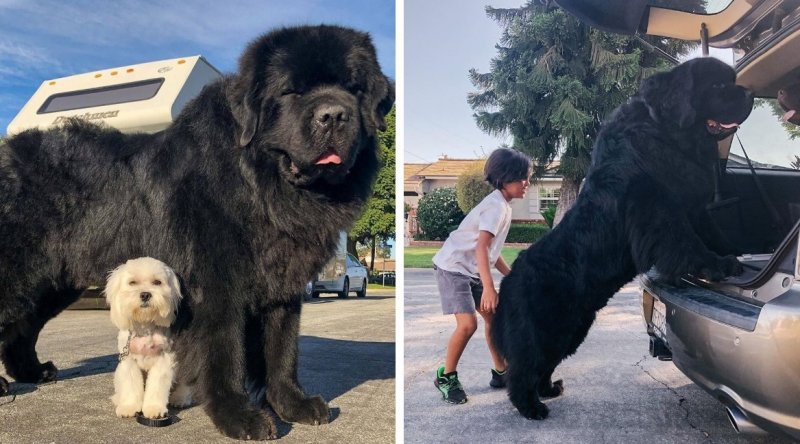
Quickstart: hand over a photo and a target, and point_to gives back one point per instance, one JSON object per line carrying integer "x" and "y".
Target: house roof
{"x": 445, "y": 168}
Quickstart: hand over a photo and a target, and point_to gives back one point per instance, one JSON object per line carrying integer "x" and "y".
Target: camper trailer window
{"x": 107, "y": 95}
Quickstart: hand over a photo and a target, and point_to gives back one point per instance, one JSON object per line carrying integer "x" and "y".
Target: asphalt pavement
{"x": 614, "y": 391}
{"x": 347, "y": 354}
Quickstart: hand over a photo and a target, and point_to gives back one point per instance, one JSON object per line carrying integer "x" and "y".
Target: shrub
{"x": 526, "y": 233}
{"x": 438, "y": 213}
{"x": 549, "y": 214}
{"x": 471, "y": 188}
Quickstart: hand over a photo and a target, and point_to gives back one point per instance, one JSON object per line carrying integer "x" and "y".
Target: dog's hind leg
{"x": 523, "y": 389}
{"x": 527, "y": 367}
{"x": 549, "y": 388}
{"x": 18, "y": 352}
{"x": 282, "y": 326}
{"x": 19, "y": 348}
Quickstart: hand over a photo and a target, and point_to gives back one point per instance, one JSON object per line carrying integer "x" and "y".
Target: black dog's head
{"x": 700, "y": 91}
{"x": 313, "y": 96}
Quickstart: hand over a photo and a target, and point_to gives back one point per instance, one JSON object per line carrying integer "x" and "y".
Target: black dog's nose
{"x": 145, "y": 296}
{"x": 328, "y": 114}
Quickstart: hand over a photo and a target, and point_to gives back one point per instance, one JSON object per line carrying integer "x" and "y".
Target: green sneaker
{"x": 450, "y": 387}
{"x": 498, "y": 379}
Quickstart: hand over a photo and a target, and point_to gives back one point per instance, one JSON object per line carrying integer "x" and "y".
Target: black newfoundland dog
{"x": 642, "y": 205}
{"x": 244, "y": 196}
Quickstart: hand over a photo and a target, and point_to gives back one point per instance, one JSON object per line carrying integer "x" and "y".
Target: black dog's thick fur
{"x": 642, "y": 205}
{"x": 231, "y": 196}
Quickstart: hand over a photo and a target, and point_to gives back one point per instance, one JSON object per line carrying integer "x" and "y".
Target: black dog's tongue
{"x": 721, "y": 129}
{"x": 329, "y": 157}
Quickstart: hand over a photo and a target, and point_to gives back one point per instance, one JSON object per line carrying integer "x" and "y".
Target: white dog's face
{"x": 143, "y": 290}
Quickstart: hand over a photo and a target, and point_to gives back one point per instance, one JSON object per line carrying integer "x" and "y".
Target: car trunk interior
{"x": 758, "y": 211}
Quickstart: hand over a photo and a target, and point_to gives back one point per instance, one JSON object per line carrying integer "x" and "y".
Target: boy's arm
{"x": 489, "y": 296}
{"x": 502, "y": 266}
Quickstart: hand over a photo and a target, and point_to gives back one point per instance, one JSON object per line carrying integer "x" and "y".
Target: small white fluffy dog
{"x": 143, "y": 295}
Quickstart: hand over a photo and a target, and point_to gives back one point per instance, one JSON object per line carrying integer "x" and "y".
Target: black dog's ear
{"x": 249, "y": 120}
{"x": 669, "y": 96}
{"x": 384, "y": 106}
{"x": 249, "y": 89}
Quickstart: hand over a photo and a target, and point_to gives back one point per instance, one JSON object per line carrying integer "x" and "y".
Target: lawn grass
{"x": 421, "y": 257}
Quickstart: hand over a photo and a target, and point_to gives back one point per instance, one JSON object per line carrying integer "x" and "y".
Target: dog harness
{"x": 145, "y": 343}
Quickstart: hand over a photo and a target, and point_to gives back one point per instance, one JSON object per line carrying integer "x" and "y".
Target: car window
{"x": 352, "y": 261}
{"x": 710, "y": 7}
{"x": 766, "y": 140}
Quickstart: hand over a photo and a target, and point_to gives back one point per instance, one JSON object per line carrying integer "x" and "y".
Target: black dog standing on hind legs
{"x": 642, "y": 205}
{"x": 244, "y": 196}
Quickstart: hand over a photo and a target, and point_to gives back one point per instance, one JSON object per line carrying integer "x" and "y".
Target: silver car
{"x": 738, "y": 339}
{"x": 354, "y": 278}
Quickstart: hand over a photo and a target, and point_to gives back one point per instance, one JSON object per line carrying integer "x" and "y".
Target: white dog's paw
{"x": 127, "y": 410}
{"x": 154, "y": 411}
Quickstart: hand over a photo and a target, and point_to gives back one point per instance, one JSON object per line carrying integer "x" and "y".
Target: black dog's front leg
{"x": 711, "y": 234}
{"x": 221, "y": 377}
{"x": 281, "y": 329}
{"x": 660, "y": 234}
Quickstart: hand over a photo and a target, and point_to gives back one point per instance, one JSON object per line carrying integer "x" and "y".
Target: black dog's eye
{"x": 156, "y": 282}
{"x": 291, "y": 92}
{"x": 132, "y": 283}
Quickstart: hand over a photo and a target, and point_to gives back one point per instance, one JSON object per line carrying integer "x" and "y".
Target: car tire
{"x": 363, "y": 292}
{"x": 345, "y": 289}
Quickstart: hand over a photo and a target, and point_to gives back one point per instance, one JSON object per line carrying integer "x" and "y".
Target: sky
{"x": 444, "y": 39}
{"x": 46, "y": 39}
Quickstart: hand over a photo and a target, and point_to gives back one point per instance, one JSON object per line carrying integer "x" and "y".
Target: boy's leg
{"x": 466, "y": 324}
{"x": 497, "y": 359}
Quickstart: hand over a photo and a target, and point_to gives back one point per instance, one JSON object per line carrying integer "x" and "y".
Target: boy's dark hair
{"x": 506, "y": 165}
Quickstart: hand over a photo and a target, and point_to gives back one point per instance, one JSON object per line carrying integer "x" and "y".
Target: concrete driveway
{"x": 614, "y": 391}
{"x": 347, "y": 354}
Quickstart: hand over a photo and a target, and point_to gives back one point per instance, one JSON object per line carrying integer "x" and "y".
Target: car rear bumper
{"x": 746, "y": 355}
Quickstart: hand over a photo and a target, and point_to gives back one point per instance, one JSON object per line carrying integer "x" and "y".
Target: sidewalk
{"x": 346, "y": 355}
{"x": 614, "y": 391}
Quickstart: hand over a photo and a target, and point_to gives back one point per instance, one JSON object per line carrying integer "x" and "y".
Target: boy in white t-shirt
{"x": 462, "y": 266}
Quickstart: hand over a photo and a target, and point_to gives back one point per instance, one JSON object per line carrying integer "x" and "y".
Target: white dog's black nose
{"x": 145, "y": 296}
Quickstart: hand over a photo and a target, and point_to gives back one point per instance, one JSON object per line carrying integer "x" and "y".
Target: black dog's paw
{"x": 38, "y": 374}
{"x": 556, "y": 388}
{"x": 246, "y": 424}
{"x": 537, "y": 411}
{"x": 4, "y": 387}
{"x": 308, "y": 410}
{"x": 731, "y": 266}
{"x": 48, "y": 372}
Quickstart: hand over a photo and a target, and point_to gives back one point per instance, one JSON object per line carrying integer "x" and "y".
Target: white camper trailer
{"x": 136, "y": 98}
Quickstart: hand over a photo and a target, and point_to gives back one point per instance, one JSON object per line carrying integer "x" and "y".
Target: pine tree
{"x": 555, "y": 79}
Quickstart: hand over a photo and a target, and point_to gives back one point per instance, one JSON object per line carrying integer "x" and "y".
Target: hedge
{"x": 526, "y": 233}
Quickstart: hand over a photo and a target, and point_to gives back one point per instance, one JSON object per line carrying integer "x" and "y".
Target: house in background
{"x": 422, "y": 178}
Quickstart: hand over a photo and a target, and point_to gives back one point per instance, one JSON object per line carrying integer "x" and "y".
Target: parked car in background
{"x": 384, "y": 278}
{"x": 739, "y": 339}
{"x": 341, "y": 275}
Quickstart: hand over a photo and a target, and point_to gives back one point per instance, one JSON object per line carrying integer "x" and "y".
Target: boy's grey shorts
{"x": 459, "y": 293}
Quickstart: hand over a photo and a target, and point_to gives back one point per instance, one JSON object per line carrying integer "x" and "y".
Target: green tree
{"x": 471, "y": 188}
{"x": 376, "y": 225}
{"x": 555, "y": 79}
{"x": 438, "y": 213}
